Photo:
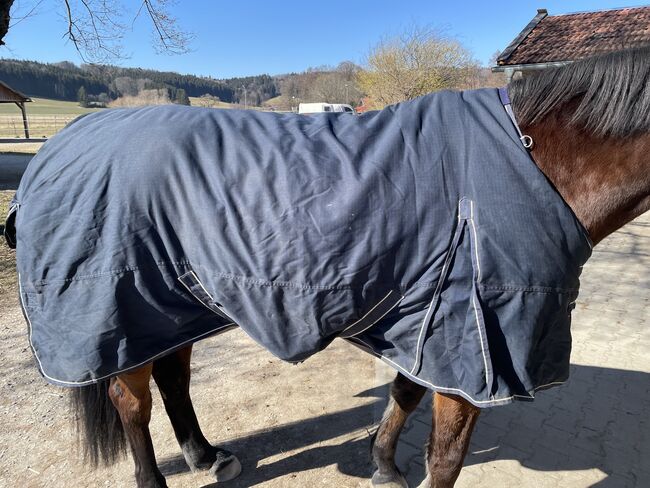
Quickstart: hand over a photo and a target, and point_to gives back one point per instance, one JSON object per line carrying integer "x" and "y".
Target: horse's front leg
{"x": 404, "y": 398}
{"x": 453, "y": 422}
{"x": 131, "y": 396}
{"x": 172, "y": 375}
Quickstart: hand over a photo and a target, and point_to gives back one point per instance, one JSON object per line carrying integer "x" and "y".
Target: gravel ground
{"x": 296, "y": 426}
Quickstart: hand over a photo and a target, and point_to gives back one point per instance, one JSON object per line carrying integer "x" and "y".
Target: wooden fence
{"x": 39, "y": 125}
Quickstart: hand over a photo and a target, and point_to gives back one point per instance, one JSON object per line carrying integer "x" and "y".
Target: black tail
{"x": 99, "y": 428}
{"x": 9, "y": 229}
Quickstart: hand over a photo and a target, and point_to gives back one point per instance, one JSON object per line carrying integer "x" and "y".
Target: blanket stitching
{"x": 492, "y": 401}
{"x": 222, "y": 328}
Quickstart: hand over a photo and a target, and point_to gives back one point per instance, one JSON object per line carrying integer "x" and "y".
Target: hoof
{"x": 226, "y": 467}
{"x": 394, "y": 480}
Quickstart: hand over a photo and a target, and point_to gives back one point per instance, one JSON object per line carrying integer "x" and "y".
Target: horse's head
{"x": 591, "y": 125}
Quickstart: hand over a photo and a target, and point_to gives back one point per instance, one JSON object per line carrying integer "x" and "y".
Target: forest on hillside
{"x": 419, "y": 61}
{"x": 102, "y": 83}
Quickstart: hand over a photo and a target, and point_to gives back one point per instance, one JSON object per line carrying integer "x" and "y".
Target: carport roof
{"x": 9, "y": 95}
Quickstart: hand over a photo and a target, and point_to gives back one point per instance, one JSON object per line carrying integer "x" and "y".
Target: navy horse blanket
{"x": 423, "y": 233}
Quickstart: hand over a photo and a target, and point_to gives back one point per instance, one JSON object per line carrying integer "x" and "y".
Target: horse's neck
{"x": 605, "y": 181}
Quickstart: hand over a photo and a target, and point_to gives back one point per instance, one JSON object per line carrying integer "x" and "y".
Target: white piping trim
{"x": 205, "y": 291}
{"x": 526, "y": 140}
{"x": 446, "y": 389}
{"x": 29, "y": 323}
{"x": 474, "y": 238}
{"x": 471, "y": 220}
{"x": 201, "y": 285}
{"x": 426, "y": 319}
{"x": 436, "y": 292}
{"x": 95, "y": 380}
{"x": 480, "y": 333}
{"x": 367, "y": 313}
{"x": 374, "y": 322}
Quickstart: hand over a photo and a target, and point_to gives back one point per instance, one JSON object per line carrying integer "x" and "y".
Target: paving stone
{"x": 484, "y": 434}
{"x": 468, "y": 479}
{"x": 594, "y": 430}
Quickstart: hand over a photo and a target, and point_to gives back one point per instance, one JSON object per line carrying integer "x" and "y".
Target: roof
{"x": 9, "y": 95}
{"x": 568, "y": 37}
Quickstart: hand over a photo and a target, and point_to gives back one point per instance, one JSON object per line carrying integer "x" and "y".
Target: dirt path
{"x": 302, "y": 425}
{"x": 295, "y": 426}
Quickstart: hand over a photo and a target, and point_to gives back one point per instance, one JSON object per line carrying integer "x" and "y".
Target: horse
{"x": 585, "y": 127}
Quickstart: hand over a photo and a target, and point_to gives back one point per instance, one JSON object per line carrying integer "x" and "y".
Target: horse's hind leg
{"x": 131, "y": 396}
{"x": 172, "y": 375}
{"x": 453, "y": 422}
{"x": 404, "y": 398}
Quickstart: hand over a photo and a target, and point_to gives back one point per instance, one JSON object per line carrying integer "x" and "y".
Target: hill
{"x": 103, "y": 83}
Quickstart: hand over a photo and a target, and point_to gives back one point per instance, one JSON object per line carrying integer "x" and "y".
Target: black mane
{"x": 612, "y": 93}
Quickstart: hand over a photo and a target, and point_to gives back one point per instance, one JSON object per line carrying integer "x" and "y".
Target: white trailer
{"x": 316, "y": 108}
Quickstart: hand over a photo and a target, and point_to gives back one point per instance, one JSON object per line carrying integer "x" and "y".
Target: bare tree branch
{"x": 169, "y": 37}
{"x": 95, "y": 27}
{"x": 17, "y": 19}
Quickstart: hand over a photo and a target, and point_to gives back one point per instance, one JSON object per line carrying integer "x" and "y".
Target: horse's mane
{"x": 609, "y": 94}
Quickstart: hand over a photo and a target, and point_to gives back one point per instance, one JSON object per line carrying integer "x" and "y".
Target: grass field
{"x": 196, "y": 102}
{"x": 20, "y": 147}
{"x": 46, "y": 117}
{"x": 45, "y": 106}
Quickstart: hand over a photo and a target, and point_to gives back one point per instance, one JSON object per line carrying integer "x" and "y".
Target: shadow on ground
{"x": 12, "y": 167}
{"x": 598, "y": 420}
{"x": 351, "y": 457}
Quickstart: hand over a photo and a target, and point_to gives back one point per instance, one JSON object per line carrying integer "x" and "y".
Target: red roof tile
{"x": 574, "y": 36}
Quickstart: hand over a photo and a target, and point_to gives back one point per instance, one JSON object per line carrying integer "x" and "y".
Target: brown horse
{"x": 590, "y": 123}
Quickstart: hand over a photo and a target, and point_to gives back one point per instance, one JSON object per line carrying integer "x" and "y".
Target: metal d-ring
{"x": 527, "y": 141}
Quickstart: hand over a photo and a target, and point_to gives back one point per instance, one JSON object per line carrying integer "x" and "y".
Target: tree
{"x": 181, "y": 97}
{"x": 96, "y": 30}
{"x": 415, "y": 63}
{"x": 125, "y": 85}
{"x": 82, "y": 97}
{"x": 322, "y": 84}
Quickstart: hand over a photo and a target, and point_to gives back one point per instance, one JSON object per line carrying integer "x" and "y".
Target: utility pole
{"x": 347, "y": 97}
{"x": 245, "y": 100}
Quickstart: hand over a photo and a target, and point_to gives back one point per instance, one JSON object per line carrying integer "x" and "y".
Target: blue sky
{"x": 253, "y": 37}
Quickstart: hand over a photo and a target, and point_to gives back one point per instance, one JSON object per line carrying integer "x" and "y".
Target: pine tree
{"x": 181, "y": 97}
{"x": 82, "y": 96}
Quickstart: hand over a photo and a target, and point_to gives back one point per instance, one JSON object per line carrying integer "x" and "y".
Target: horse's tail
{"x": 99, "y": 428}
{"x": 9, "y": 229}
